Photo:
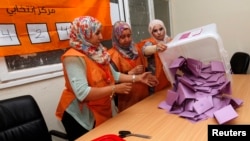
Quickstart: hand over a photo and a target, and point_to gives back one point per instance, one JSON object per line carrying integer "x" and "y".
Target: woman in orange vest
{"x": 127, "y": 58}
{"x": 151, "y": 47}
{"x": 90, "y": 81}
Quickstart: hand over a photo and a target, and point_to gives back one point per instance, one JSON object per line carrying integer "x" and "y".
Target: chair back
{"x": 240, "y": 62}
{"x": 22, "y": 120}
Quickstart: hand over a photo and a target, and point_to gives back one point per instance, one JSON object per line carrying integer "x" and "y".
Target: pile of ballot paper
{"x": 200, "y": 91}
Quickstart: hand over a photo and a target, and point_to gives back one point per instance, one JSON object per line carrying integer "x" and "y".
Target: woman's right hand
{"x": 123, "y": 88}
{"x": 160, "y": 47}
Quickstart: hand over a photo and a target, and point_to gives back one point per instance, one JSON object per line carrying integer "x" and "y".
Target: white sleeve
{"x": 148, "y": 49}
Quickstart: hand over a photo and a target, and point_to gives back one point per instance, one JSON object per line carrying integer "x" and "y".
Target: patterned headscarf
{"x": 151, "y": 28}
{"x": 127, "y": 52}
{"x": 82, "y": 29}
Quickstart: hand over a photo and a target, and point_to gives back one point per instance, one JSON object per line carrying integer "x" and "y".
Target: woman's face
{"x": 125, "y": 39}
{"x": 96, "y": 38}
{"x": 158, "y": 32}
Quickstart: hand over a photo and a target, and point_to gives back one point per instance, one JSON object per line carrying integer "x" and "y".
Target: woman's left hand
{"x": 148, "y": 79}
{"x": 139, "y": 69}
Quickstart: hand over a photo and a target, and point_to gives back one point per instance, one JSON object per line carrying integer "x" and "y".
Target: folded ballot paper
{"x": 197, "y": 66}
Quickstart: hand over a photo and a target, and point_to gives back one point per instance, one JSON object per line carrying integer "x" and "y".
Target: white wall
{"x": 46, "y": 93}
{"x": 232, "y": 19}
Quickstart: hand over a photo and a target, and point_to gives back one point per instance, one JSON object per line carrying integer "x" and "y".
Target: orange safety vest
{"x": 96, "y": 77}
{"x": 159, "y": 72}
{"x": 139, "y": 90}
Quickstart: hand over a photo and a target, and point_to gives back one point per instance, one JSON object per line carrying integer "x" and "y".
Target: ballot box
{"x": 202, "y": 43}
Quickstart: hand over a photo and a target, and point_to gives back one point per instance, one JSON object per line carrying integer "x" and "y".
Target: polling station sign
{"x": 28, "y": 26}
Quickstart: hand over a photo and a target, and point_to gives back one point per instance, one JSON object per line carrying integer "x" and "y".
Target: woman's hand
{"x": 123, "y": 88}
{"x": 139, "y": 69}
{"x": 148, "y": 78}
{"x": 160, "y": 47}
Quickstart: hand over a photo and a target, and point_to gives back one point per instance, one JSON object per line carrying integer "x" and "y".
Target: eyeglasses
{"x": 156, "y": 30}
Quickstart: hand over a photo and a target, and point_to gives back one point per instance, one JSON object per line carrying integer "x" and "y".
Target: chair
{"x": 239, "y": 62}
{"x": 22, "y": 120}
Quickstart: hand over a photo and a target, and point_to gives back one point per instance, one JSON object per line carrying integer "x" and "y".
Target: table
{"x": 145, "y": 118}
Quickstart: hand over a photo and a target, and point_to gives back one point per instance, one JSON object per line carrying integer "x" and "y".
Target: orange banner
{"x": 29, "y": 26}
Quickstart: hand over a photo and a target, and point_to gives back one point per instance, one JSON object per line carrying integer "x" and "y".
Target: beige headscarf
{"x": 154, "y": 23}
